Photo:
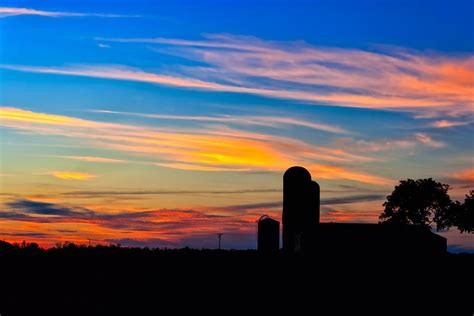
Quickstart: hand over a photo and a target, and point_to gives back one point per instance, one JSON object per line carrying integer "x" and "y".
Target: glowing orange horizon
{"x": 228, "y": 150}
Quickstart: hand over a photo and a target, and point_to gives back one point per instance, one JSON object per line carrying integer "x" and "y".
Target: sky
{"x": 163, "y": 123}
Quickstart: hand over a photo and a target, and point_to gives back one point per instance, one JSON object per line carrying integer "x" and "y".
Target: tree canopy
{"x": 425, "y": 202}
{"x": 464, "y": 214}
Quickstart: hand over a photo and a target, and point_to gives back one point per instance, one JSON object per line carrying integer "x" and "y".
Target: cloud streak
{"x": 431, "y": 84}
{"x": 211, "y": 149}
{"x": 169, "y": 225}
{"x": 70, "y": 175}
{"x": 385, "y": 145}
{"x": 449, "y": 123}
{"x": 345, "y": 99}
{"x": 92, "y": 159}
{"x": 462, "y": 177}
{"x": 352, "y": 199}
{"x": 159, "y": 227}
{"x": 273, "y": 121}
{"x": 10, "y": 11}
{"x": 43, "y": 208}
{"x": 92, "y": 194}
{"x": 390, "y": 78}
{"x": 165, "y": 227}
{"x": 242, "y": 208}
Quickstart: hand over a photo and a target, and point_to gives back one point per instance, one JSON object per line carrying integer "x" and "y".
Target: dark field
{"x": 112, "y": 280}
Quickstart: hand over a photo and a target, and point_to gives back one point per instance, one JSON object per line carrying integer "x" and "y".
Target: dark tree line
{"x": 425, "y": 202}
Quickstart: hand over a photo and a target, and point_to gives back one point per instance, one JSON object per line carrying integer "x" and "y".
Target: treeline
{"x": 66, "y": 247}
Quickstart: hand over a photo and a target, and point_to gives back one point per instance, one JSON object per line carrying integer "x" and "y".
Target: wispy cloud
{"x": 242, "y": 208}
{"x": 161, "y": 227}
{"x": 449, "y": 123}
{"x": 43, "y": 208}
{"x": 311, "y": 96}
{"x": 462, "y": 177}
{"x": 27, "y": 234}
{"x": 388, "y": 78}
{"x": 9, "y": 11}
{"x": 331, "y": 215}
{"x": 92, "y": 159}
{"x": 394, "y": 144}
{"x": 69, "y": 175}
{"x": 353, "y": 199}
{"x": 211, "y": 149}
{"x": 428, "y": 141}
{"x": 93, "y": 194}
{"x": 172, "y": 225}
{"x": 236, "y": 119}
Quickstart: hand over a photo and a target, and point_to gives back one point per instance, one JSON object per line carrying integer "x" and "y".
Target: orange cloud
{"x": 334, "y": 172}
{"x": 464, "y": 175}
{"x": 448, "y": 123}
{"x": 213, "y": 149}
{"x": 64, "y": 222}
{"x": 68, "y": 175}
{"x": 348, "y": 216}
{"x": 92, "y": 159}
{"x": 186, "y": 166}
{"x": 11, "y": 116}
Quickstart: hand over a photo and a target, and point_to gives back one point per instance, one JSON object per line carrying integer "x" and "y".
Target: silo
{"x": 315, "y": 202}
{"x": 268, "y": 234}
{"x": 300, "y": 209}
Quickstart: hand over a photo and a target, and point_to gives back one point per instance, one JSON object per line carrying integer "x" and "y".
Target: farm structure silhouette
{"x": 304, "y": 233}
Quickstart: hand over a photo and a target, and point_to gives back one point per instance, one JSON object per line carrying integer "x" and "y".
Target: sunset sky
{"x": 161, "y": 124}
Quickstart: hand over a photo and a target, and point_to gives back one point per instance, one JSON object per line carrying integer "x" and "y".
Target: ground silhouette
{"x": 103, "y": 280}
{"x": 323, "y": 269}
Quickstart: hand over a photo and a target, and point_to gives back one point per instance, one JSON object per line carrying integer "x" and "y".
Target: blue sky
{"x": 135, "y": 96}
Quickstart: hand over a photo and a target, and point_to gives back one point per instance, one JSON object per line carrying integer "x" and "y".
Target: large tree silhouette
{"x": 419, "y": 202}
{"x": 464, "y": 214}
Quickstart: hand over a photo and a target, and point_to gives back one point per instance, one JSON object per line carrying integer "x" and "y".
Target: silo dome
{"x": 297, "y": 174}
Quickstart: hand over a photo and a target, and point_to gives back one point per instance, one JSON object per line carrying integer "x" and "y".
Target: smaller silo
{"x": 268, "y": 234}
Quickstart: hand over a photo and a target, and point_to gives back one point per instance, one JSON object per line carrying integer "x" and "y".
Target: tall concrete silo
{"x": 300, "y": 209}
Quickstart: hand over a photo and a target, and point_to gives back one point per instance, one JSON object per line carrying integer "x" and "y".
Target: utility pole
{"x": 90, "y": 239}
{"x": 219, "y": 236}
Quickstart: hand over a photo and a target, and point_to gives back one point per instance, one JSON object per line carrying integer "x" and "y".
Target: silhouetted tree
{"x": 464, "y": 214}
{"x": 419, "y": 202}
{"x": 32, "y": 246}
{"x": 5, "y": 245}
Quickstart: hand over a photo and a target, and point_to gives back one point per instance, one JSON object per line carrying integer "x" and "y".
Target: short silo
{"x": 268, "y": 234}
